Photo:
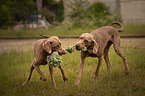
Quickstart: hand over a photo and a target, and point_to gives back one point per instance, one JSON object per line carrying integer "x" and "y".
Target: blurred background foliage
{"x": 85, "y": 14}
{"x": 14, "y": 11}
{"x": 82, "y": 17}
{"x": 82, "y": 14}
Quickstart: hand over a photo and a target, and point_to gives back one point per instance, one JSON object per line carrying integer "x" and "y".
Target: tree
{"x": 84, "y": 14}
{"x": 39, "y": 5}
{"x": 78, "y": 8}
{"x": 15, "y": 10}
{"x": 5, "y": 13}
{"x": 21, "y": 9}
{"x": 12, "y": 11}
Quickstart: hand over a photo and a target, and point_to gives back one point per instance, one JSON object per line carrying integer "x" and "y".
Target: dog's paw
{"x": 94, "y": 80}
{"x": 77, "y": 83}
{"x": 23, "y": 84}
{"x": 43, "y": 79}
{"x": 126, "y": 71}
{"x": 65, "y": 79}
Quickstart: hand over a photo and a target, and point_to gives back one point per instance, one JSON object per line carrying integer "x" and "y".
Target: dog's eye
{"x": 85, "y": 40}
{"x": 81, "y": 38}
{"x": 56, "y": 47}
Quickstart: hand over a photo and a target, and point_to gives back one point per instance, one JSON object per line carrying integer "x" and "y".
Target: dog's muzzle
{"x": 78, "y": 47}
{"x": 62, "y": 52}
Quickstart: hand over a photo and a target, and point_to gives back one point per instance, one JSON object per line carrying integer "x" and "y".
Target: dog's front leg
{"x": 63, "y": 74}
{"x": 52, "y": 77}
{"x": 100, "y": 58}
{"x": 83, "y": 56}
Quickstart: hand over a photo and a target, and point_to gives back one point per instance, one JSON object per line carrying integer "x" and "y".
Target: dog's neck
{"x": 91, "y": 47}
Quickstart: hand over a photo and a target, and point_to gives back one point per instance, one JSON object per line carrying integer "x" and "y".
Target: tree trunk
{"x": 39, "y": 6}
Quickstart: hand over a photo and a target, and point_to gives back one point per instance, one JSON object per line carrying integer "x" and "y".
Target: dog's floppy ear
{"x": 95, "y": 48}
{"x": 47, "y": 46}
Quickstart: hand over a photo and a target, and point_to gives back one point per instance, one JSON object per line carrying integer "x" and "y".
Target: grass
{"x": 14, "y": 69}
{"x": 52, "y": 31}
{"x": 133, "y": 30}
{"x": 65, "y": 31}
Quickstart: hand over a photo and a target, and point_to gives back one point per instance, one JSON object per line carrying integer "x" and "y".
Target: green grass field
{"x": 14, "y": 69}
{"x": 65, "y": 31}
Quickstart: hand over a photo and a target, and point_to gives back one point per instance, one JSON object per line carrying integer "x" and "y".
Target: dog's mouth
{"x": 62, "y": 53}
{"x": 50, "y": 53}
{"x": 78, "y": 48}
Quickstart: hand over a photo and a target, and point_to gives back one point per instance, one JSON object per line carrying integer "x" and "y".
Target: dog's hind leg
{"x": 106, "y": 50}
{"x": 29, "y": 76}
{"x": 119, "y": 52}
{"x": 98, "y": 68}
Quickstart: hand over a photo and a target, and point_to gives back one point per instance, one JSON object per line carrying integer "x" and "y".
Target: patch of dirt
{"x": 24, "y": 45}
{"x": 19, "y": 45}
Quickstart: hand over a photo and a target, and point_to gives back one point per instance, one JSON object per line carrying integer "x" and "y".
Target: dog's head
{"x": 53, "y": 44}
{"x": 86, "y": 40}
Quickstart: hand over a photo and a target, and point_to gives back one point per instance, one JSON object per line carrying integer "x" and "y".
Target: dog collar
{"x": 43, "y": 46}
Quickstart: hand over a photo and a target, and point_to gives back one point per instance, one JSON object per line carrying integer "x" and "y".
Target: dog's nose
{"x": 64, "y": 52}
{"x": 77, "y": 46}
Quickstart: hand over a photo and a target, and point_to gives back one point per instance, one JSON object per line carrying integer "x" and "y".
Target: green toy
{"x": 70, "y": 49}
{"x": 84, "y": 49}
{"x": 54, "y": 61}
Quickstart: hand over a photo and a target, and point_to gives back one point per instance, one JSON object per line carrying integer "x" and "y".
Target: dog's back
{"x": 106, "y": 32}
{"x": 108, "y": 29}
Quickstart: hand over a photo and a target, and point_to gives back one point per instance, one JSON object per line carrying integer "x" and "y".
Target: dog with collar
{"x": 42, "y": 49}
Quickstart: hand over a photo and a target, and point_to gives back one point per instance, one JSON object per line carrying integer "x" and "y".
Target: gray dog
{"x": 42, "y": 49}
{"x": 98, "y": 43}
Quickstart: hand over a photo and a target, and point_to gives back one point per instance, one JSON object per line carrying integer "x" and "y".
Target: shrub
{"x": 85, "y": 15}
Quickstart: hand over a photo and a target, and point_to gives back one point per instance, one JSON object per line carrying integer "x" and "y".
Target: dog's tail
{"x": 118, "y": 23}
{"x": 44, "y": 35}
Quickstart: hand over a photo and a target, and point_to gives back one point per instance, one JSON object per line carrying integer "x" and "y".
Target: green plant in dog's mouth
{"x": 70, "y": 49}
{"x": 54, "y": 60}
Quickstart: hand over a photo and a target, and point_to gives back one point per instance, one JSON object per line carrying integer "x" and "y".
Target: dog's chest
{"x": 93, "y": 55}
{"x": 90, "y": 53}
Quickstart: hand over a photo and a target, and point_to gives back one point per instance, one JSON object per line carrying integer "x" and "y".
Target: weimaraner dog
{"x": 98, "y": 43}
{"x": 42, "y": 49}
